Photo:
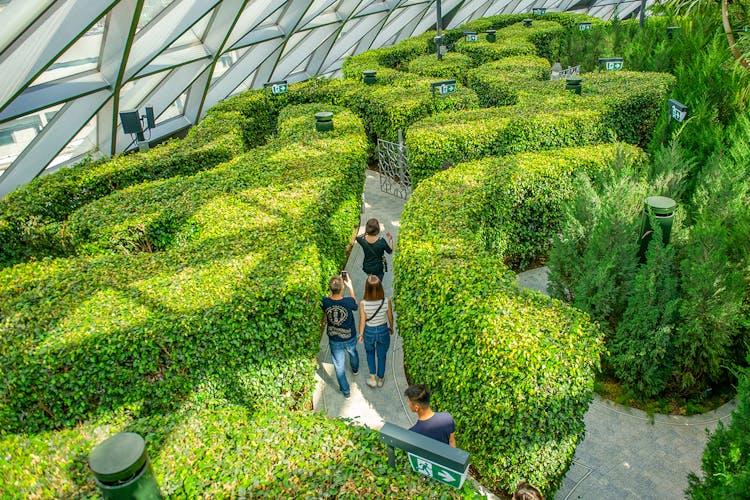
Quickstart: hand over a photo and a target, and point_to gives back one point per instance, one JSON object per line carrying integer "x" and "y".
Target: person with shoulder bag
{"x": 375, "y": 248}
{"x": 376, "y": 328}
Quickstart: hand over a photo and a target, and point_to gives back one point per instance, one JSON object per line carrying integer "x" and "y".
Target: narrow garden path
{"x": 624, "y": 455}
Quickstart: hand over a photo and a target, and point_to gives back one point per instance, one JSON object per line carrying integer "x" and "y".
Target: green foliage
{"x": 497, "y": 83}
{"x": 529, "y": 192}
{"x": 593, "y": 259}
{"x": 246, "y": 249}
{"x": 212, "y": 448}
{"x": 726, "y": 459}
{"x": 451, "y": 66}
{"x": 30, "y": 217}
{"x": 642, "y": 347}
{"x": 517, "y": 373}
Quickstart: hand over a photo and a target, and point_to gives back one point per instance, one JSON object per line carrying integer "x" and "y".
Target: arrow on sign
{"x": 445, "y": 476}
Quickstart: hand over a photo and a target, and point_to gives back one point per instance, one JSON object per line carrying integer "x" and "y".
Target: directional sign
{"x": 611, "y": 63}
{"x": 277, "y": 87}
{"x": 584, "y": 26}
{"x": 436, "y": 471}
{"x": 471, "y": 37}
{"x": 444, "y": 88}
{"x": 539, "y": 11}
{"x": 677, "y": 110}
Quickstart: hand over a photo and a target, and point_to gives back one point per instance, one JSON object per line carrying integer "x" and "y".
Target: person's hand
{"x": 389, "y": 235}
{"x": 390, "y": 329}
{"x": 361, "y": 339}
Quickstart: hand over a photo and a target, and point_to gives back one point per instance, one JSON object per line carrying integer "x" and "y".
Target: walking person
{"x": 376, "y": 328}
{"x": 437, "y": 425}
{"x": 341, "y": 329}
{"x": 375, "y": 248}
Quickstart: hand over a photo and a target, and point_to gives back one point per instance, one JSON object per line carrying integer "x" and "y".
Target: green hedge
{"x": 515, "y": 368}
{"x": 498, "y": 83}
{"x": 256, "y": 239}
{"x": 452, "y": 66}
{"x": 614, "y": 105}
{"x": 211, "y": 448}
{"x": 30, "y": 217}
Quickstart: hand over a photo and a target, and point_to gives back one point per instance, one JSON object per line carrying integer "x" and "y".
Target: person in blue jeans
{"x": 340, "y": 327}
{"x": 375, "y": 328}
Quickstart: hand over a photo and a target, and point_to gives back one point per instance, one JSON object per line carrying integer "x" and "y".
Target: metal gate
{"x": 394, "y": 168}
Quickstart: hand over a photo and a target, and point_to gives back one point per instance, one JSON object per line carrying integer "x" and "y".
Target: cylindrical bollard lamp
{"x": 368, "y": 76}
{"x": 122, "y": 469}
{"x": 663, "y": 210}
{"x": 490, "y": 36}
{"x": 574, "y": 85}
{"x": 324, "y": 121}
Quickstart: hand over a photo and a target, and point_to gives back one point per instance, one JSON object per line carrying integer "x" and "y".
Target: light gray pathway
{"x": 627, "y": 455}
{"x": 624, "y": 454}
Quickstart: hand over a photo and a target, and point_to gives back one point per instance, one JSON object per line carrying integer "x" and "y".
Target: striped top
{"x": 368, "y": 309}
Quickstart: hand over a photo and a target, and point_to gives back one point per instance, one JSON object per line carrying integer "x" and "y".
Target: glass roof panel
{"x": 3, "y": 4}
{"x": 82, "y": 56}
{"x": 177, "y": 108}
{"x": 226, "y": 61}
{"x": 194, "y": 34}
{"x": 16, "y": 134}
{"x": 151, "y": 9}
{"x": 84, "y": 141}
{"x": 134, "y": 93}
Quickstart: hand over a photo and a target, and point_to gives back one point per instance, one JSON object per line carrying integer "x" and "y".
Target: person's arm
{"x": 389, "y": 238}
{"x": 362, "y": 320}
{"x": 390, "y": 316}
{"x": 348, "y": 283}
{"x": 452, "y": 439}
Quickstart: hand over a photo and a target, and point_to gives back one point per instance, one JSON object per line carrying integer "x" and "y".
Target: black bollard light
{"x": 368, "y": 76}
{"x": 490, "y": 35}
{"x": 574, "y": 85}
{"x": 324, "y": 121}
{"x": 122, "y": 469}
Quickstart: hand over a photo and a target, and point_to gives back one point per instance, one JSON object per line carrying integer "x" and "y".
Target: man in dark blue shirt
{"x": 341, "y": 329}
{"x": 437, "y": 425}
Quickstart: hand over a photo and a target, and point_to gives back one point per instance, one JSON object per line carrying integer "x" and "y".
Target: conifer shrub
{"x": 726, "y": 459}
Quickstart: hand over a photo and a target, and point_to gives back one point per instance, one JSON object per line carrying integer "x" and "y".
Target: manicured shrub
{"x": 30, "y": 217}
{"x": 211, "y": 447}
{"x": 451, "y": 66}
{"x": 726, "y": 459}
{"x": 495, "y": 356}
{"x": 529, "y": 193}
{"x": 497, "y": 83}
{"x": 251, "y": 243}
{"x": 545, "y": 119}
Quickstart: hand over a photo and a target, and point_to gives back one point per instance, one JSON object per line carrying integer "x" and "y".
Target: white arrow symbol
{"x": 446, "y": 476}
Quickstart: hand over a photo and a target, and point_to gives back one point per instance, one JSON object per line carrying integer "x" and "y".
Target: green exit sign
{"x": 277, "y": 87}
{"x": 611, "y": 63}
{"x": 436, "y": 471}
{"x": 584, "y": 26}
{"x": 443, "y": 88}
{"x": 471, "y": 36}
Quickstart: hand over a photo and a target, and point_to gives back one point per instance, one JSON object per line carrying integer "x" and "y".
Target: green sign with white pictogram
{"x": 278, "y": 88}
{"x": 471, "y": 37}
{"x": 614, "y": 65}
{"x": 436, "y": 471}
{"x": 443, "y": 88}
{"x": 611, "y": 63}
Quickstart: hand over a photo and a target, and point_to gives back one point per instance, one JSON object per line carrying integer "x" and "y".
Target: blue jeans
{"x": 338, "y": 350}
{"x": 377, "y": 341}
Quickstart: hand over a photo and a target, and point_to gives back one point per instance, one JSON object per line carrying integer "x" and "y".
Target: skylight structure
{"x": 68, "y": 67}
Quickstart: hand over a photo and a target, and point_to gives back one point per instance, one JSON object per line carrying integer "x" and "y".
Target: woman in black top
{"x": 374, "y": 248}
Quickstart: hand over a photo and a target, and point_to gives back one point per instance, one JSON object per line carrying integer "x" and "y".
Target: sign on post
{"x": 611, "y": 63}
{"x": 427, "y": 456}
{"x": 443, "y": 88}
{"x": 584, "y": 26}
{"x": 436, "y": 471}
{"x": 277, "y": 87}
{"x": 539, "y": 11}
{"x": 677, "y": 110}
{"x": 471, "y": 36}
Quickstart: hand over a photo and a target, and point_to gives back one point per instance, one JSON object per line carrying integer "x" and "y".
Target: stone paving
{"x": 624, "y": 454}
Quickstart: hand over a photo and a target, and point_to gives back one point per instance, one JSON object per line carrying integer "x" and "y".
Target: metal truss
{"x": 68, "y": 67}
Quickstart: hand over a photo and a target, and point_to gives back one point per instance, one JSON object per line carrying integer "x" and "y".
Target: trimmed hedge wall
{"x": 498, "y": 83}
{"x": 516, "y": 368}
{"x": 30, "y": 217}
{"x": 452, "y": 66}
{"x": 254, "y": 241}
{"x": 614, "y": 105}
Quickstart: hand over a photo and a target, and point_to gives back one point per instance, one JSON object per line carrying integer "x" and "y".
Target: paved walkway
{"x": 624, "y": 454}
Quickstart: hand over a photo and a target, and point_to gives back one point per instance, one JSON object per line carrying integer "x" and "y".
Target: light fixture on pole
{"x": 132, "y": 123}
